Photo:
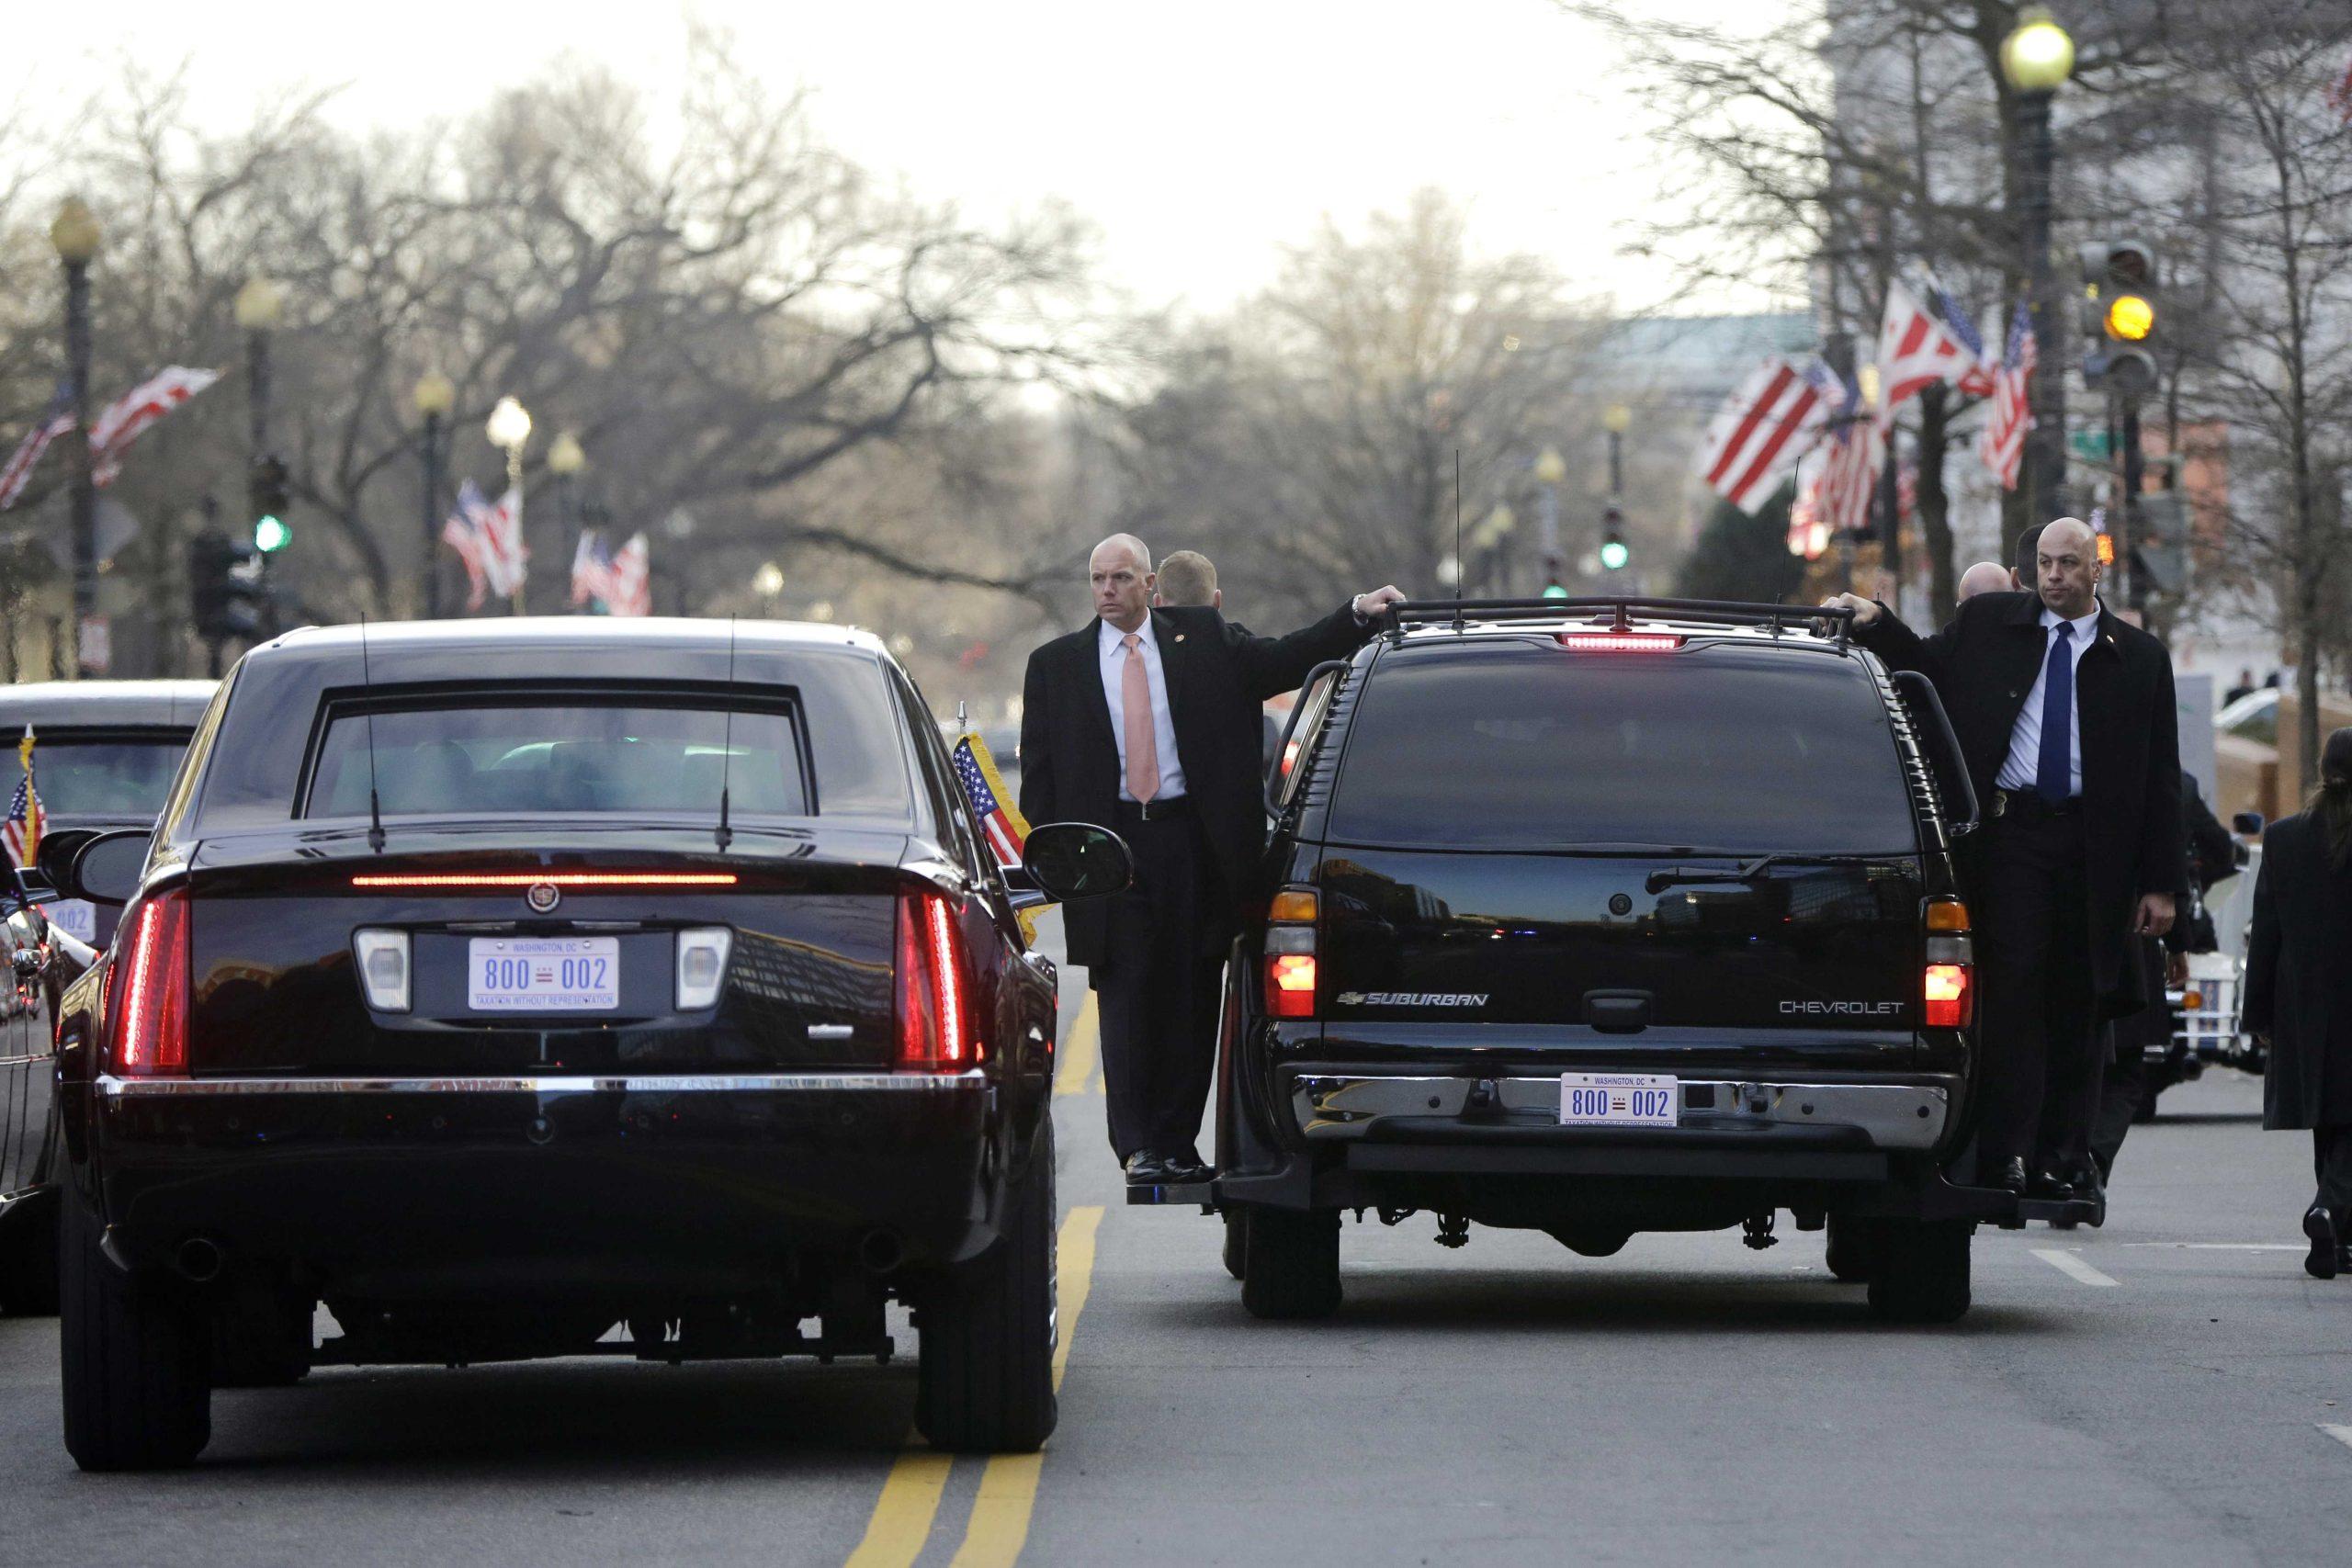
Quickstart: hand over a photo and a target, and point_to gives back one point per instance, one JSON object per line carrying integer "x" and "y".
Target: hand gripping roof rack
{"x": 1774, "y": 618}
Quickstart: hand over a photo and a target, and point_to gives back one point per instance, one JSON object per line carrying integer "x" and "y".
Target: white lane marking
{"x": 2066, "y": 1263}
{"x": 2225, "y": 1245}
{"x": 2341, "y": 1433}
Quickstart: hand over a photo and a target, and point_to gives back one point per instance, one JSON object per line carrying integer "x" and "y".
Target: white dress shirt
{"x": 1114, "y": 658}
{"x": 2024, "y": 763}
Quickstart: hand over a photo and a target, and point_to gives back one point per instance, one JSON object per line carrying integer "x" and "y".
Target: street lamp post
{"x": 2037, "y": 58}
{"x": 260, "y": 305}
{"x": 769, "y": 582}
{"x": 1550, "y": 469}
{"x": 433, "y": 396}
{"x": 509, "y": 427}
{"x": 565, "y": 459}
{"x": 76, "y": 234}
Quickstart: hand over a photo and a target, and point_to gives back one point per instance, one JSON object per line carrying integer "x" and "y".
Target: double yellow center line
{"x": 1080, "y": 1053}
{"x": 998, "y": 1526}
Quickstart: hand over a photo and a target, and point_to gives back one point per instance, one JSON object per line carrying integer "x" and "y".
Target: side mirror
{"x": 2247, "y": 824}
{"x": 1077, "y": 859}
{"x": 107, "y": 870}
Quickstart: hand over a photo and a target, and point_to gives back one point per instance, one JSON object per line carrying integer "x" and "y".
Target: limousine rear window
{"x": 503, "y": 755}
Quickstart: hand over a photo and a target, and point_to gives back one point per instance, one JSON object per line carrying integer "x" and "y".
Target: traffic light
{"x": 266, "y": 484}
{"x": 1613, "y": 553}
{"x": 2122, "y": 316}
{"x": 226, "y": 596}
{"x": 1552, "y": 571}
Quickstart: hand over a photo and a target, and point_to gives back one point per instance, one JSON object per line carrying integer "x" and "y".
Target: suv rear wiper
{"x": 1747, "y": 871}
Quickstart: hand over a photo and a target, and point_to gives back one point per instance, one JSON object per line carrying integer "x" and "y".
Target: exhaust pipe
{"x": 882, "y": 1251}
{"x": 200, "y": 1260}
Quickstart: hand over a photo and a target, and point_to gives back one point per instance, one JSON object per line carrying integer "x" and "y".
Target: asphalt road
{"x": 2161, "y": 1391}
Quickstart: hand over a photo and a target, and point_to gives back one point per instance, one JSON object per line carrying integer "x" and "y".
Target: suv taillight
{"x": 1949, "y": 987}
{"x": 935, "y": 1031}
{"x": 1290, "y": 953}
{"x": 147, "y": 1023}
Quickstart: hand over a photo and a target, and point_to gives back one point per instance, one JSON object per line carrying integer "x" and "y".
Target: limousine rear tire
{"x": 985, "y": 1382}
{"x": 1921, "y": 1272}
{"x": 1237, "y": 1238}
{"x": 1291, "y": 1267}
{"x": 133, "y": 1359}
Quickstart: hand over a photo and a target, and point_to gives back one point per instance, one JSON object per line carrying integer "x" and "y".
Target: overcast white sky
{"x": 1199, "y": 136}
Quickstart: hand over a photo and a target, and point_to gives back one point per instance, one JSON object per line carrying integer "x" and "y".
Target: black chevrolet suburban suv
{"x": 1597, "y": 917}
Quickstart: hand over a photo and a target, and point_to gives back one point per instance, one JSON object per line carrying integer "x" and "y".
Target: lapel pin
{"x": 1179, "y": 637}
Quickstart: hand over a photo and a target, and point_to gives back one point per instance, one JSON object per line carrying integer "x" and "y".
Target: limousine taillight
{"x": 147, "y": 1032}
{"x": 935, "y": 988}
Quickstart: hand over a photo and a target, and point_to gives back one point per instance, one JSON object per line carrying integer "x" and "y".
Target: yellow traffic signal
{"x": 2107, "y": 549}
{"x": 2130, "y": 318}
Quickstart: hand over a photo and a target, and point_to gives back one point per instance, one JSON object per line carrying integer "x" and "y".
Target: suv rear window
{"x": 114, "y": 776}
{"x": 1522, "y": 745}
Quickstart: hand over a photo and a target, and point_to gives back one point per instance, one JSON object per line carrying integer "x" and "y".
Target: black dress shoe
{"x": 2086, "y": 1181}
{"x": 2010, "y": 1178}
{"x": 1184, "y": 1169}
{"x": 2051, "y": 1187}
{"x": 2326, "y": 1251}
{"x": 1145, "y": 1169}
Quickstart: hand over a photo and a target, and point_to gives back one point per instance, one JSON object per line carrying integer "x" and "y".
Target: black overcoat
{"x": 1217, "y": 675}
{"x": 1983, "y": 665}
{"x": 2299, "y": 977}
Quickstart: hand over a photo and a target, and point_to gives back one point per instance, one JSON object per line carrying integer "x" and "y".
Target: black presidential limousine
{"x": 556, "y": 987}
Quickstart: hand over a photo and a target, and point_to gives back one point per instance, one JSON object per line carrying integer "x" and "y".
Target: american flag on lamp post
{"x": 1916, "y": 350}
{"x": 1976, "y": 379}
{"x": 1841, "y": 486}
{"x": 55, "y": 421}
{"x": 2001, "y": 444}
{"x": 1764, "y": 428}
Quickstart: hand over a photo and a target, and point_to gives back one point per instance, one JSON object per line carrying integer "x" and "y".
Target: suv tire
{"x": 1922, "y": 1272}
{"x": 1291, "y": 1267}
{"x": 985, "y": 1381}
{"x": 132, "y": 1359}
{"x": 1853, "y": 1249}
{"x": 1237, "y": 1238}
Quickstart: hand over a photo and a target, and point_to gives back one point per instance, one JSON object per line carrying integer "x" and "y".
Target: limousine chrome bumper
{"x": 114, "y": 1087}
{"x": 1330, "y": 1106}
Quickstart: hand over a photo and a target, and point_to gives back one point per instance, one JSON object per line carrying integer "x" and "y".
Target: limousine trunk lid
{"x": 551, "y": 951}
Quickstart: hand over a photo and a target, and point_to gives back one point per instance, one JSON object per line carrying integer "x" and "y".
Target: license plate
{"x": 543, "y": 973}
{"x": 1619, "y": 1100}
{"x": 75, "y": 917}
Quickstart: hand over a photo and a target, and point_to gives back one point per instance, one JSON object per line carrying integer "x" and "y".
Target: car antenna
{"x": 725, "y": 835}
{"x": 1457, "y": 538}
{"x": 368, "y": 697}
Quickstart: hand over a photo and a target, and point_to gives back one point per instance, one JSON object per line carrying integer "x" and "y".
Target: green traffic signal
{"x": 270, "y": 533}
{"x": 1553, "y": 590}
{"x": 1613, "y": 554}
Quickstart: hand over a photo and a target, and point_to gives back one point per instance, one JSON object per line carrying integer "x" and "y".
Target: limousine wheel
{"x": 1853, "y": 1250}
{"x": 136, "y": 1384}
{"x": 1291, "y": 1267}
{"x": 1922, "y": 1270}
{"x": 986, "y": 1382}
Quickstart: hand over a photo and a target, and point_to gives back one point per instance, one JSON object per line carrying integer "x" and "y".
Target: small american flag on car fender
{"x": 20, "y": 835}
{"x": 1001, "y": 821}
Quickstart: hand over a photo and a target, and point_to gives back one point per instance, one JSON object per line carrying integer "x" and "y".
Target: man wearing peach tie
{"x": 1146, "y": 722}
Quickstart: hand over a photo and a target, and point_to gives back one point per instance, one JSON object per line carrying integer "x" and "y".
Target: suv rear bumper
{"x": 1911, "y": 1115}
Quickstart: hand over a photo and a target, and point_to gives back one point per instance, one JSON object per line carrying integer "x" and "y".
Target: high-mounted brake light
{"x": 1620, "y": 642}
{"x": 935, "y": 1030}
{"x": 148, "y": 1032}
{"x": 555, "y": 878}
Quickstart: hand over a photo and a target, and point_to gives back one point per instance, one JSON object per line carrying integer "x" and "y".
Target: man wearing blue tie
{"x": 2065, "y": 716}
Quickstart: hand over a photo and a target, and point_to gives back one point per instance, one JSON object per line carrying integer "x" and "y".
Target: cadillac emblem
{"x": 543, "y": 896}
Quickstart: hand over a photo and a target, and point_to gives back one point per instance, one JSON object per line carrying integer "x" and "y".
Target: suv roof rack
{"x": 1712, "y": 612}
